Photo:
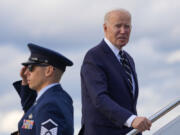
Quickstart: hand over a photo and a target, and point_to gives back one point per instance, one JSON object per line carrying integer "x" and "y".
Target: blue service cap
{"x": 41, "y": 55}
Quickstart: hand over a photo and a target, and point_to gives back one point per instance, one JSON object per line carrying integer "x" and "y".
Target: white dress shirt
{"x": 115, "y": 50}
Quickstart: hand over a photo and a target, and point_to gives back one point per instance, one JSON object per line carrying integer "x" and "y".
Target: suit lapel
{"x": 116, "y": 63}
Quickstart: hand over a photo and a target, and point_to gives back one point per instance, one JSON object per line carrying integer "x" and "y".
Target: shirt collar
{"x": 42, "y": 91}
{"x": 114, "y": 49}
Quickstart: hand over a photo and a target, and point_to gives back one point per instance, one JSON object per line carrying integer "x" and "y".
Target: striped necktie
{"x": 125, "y": 63}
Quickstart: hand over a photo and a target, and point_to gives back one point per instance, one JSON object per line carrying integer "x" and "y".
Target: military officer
{"x": 48, "y": 108}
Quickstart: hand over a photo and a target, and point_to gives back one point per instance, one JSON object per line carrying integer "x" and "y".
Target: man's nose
{"x": 122, "y": 29}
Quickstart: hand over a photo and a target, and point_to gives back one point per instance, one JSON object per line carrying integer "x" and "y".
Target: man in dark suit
{"x": 109, "y": 82}
{"x": 48, "y": 108}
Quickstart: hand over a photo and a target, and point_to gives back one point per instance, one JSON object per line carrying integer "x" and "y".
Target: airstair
{"x": 172, "y": 128}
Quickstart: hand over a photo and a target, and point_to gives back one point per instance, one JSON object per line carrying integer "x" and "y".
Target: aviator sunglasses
{"x": 30, "y": 67}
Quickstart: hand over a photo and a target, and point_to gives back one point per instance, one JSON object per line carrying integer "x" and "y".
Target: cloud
{"x": 9, "y": 100}
{"x": 48, "y": 17}
{"x": 11, "y": 59}
{"x": 9, "y": 121}
{"x": 174, "y": 57}
{"x": 77, "y": 115}
{"x": 175, "y": 33}
{"x": 53, "y": 22}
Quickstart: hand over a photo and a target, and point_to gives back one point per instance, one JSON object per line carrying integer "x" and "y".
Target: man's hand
{"x": 23, "y": 75}
{"x": 141, "y": 124}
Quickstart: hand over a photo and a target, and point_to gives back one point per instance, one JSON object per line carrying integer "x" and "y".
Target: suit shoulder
{"x": 95, "y": 53}
{"x": 94, "y": 50}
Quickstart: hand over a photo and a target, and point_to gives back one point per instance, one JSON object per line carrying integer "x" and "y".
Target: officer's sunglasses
{"x": 31, "y": 66}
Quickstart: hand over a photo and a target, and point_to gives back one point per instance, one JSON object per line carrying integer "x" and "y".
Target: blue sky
{"x": 72, "y": 27}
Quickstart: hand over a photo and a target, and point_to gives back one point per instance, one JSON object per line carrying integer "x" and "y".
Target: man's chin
{"x": 122, "y": 44}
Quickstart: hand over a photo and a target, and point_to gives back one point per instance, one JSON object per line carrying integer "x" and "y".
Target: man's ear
{"x": 49, "y": 71}
{"x": 104, "y": 27}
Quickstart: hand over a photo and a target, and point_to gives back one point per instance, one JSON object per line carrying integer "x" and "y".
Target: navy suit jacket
{"x": 52, "y": 112}
{"x": 107, "y": 101}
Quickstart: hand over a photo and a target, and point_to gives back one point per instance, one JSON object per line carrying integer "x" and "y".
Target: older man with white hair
{"x": 109, "y": 82}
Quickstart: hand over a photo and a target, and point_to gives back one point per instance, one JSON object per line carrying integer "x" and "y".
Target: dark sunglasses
{"x": 31, "y": 67}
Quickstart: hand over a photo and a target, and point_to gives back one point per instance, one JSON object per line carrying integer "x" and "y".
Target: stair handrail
{"x": 158, "y": 114}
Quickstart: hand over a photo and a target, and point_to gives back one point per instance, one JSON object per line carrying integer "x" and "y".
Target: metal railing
{"x": 158, "y": 115}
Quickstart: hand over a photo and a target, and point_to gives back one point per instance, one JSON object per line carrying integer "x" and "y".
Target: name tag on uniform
{"x": 28, "y": 124}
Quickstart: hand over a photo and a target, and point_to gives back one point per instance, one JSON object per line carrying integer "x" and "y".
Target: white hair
{"x": 108, "y": 14}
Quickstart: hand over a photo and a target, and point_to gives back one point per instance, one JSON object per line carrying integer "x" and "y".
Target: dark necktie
{"x": 125, "y": 63}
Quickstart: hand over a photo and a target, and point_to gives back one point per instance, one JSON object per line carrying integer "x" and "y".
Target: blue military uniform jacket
{"x": 51, "y": 114}
{"x": 107, "y": 102}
